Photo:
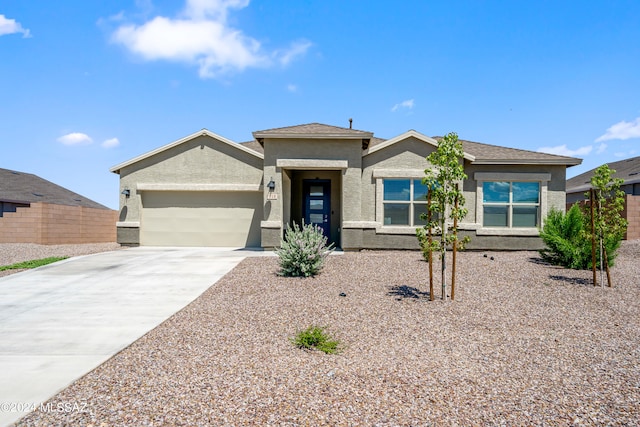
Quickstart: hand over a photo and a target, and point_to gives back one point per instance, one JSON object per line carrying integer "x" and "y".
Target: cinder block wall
{"x": 632, "y": 214}
{"x": 49, "y": 224}
{"x": 22, "y": 226}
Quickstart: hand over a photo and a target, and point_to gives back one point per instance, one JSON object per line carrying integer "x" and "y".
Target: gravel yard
{"x": 11, "y": 253}
{"x": 523, "y": 344}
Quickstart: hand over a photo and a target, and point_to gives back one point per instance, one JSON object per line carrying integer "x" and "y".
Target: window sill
{"x": 507, "y": 231}
{"x": 397, "y": 229}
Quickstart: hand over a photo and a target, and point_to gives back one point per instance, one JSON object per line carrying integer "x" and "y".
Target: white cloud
{"x": 75, "y": 138}
{"x": 110, "y": 143}
{"x": 562, "y": 150}
{"x": 404, "y": 104}
{"x": 11, "y": 26}
{"x": 201, "y": 36}
{"x": 292, "y": 88}
{"x": 601, "y": 148}
{"x": 622, "y": 130}
{"x": 297, "y": 48}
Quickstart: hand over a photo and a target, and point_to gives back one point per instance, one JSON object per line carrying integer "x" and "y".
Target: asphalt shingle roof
{"x": 313, "y": 129}
{"x": 481, "y": 151}
{"x": 29, "y": 188}
{"x": 628, "y": 169}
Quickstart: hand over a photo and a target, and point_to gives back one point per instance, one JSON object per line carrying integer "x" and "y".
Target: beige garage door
{"x": 172, "y": 218}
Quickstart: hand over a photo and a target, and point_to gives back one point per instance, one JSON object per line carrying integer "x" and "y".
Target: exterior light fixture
{"x": 271, "y": 185}
{"x": 126, "y": 193}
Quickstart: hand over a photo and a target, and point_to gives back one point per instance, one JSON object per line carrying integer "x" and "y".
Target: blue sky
{"x": 86, "y": 85}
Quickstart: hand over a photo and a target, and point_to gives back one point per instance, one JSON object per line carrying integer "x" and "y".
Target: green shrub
{"x": 303, "y": 251}
{"x": 316, "y": 337}
{"x": 568, "y": 243}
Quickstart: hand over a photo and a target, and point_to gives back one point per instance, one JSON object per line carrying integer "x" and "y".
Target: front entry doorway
{"x": 317, "y": 204}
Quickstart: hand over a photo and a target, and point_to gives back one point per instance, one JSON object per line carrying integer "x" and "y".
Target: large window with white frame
{"x": 403, "y": 201}
{"x": 511, "y": 204}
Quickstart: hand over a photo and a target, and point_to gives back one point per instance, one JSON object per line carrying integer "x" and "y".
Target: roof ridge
{"x": 312, "y": 124}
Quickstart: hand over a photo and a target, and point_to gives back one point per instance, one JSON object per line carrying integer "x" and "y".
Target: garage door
{"x": 172, "y": 218}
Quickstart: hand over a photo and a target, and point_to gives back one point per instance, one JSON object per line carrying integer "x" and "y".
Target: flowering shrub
{"x": 303, "y": 251}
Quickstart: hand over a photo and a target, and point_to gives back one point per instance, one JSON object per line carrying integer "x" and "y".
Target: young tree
{"x": 607, "y": 200}
{"x": 446, "y": 203}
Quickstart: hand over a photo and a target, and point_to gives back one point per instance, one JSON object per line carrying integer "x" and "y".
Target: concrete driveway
{"x": 60, "y": 321}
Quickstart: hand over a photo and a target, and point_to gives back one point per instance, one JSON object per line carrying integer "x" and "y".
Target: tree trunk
{"x": 593, "y": 238}
{"x": 606, "y": 266}
{"x": 600, "y": 237}
{"x": 431, "y": 296}
{"x": 443, "y": 247}
{"x": 455, "y": 249}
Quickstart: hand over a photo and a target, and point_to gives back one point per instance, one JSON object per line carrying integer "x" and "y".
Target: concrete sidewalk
{"x": 60, "y": 321}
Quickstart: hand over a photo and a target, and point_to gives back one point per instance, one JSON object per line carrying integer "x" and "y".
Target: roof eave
{"x": 567, "y": 162}
{"x": 587, "y": 186}
{"x": 263, "y": 135}
{"x": 204, "y": 132}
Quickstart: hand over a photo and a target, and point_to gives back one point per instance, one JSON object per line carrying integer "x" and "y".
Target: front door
{"x": 317, "y": 204}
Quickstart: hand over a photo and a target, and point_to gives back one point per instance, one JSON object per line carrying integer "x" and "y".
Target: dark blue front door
{"x": 317, "y": 204}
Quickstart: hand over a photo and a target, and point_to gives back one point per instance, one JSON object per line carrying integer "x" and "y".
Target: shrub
{"x": 303, "y": 251}
{"x": 568, "y": 243}
{"x": 316, "y": 337}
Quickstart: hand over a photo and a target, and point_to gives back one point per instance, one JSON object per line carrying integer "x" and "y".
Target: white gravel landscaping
{"x": 524, "y": 343}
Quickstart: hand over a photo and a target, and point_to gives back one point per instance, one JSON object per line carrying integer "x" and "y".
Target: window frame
{"x": 510, "y": 204}
{"x": 411, "y": 202}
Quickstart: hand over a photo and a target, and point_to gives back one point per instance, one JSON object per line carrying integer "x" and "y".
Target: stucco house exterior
{"x": 365, "y": 192}
{"x": 629, "y": 171}
{"x": 34, "y": 210}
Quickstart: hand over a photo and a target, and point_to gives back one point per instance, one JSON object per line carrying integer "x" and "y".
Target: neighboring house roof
{"x": 203, "y": 132}
{"x": 313, "y": 130}
{"x": 628, "y": 170}
{"x": 21, "y": 187}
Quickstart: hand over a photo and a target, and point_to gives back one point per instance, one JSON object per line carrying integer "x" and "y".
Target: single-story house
{"x": 627, "y": 170}
{"x": 364, "y": 192}
{"x": 34, "y": 210}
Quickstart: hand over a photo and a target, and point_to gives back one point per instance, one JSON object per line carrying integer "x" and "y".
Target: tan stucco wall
{"x": 202, "y": 160}
{"x": 49, "y": 224}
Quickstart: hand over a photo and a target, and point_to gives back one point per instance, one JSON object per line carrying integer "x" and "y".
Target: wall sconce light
{"x": 126, "y": 193}
{"x": 271, "y": 185}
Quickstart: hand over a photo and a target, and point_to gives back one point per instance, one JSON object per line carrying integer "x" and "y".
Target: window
{"x": 511, "y": 204}
{"x": 403, "y": 201}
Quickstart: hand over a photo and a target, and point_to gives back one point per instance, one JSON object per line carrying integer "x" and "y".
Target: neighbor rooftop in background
{"x": 628, "y": 170}
{"x": 21, "y": 187}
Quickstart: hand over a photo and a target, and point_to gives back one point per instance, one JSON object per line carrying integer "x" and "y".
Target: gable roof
{"x": 21, "y": 187}
{"x": 312, "y": 130}
{"x": 379, "y": 145}
{"x": 628, "y": 170}
{"x": 203, "y": 132}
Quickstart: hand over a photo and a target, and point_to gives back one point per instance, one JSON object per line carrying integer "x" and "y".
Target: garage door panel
{"x": 201, "y": 219}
